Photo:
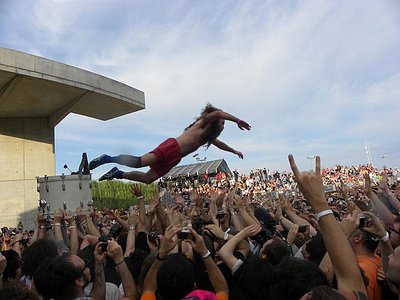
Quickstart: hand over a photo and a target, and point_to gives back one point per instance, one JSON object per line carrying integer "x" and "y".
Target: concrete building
{"x": 35, "y": 95}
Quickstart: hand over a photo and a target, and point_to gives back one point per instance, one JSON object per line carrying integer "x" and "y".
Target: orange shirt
{"x": 151, "y": 296}
{"x": 370, "y": 265}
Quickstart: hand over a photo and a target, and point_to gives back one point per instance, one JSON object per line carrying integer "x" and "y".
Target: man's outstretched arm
{"x": 221, "y": 145}
{"x": 219, "y": 114}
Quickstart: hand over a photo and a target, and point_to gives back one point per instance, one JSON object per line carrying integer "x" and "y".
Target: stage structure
{"x": 35, "y": 95}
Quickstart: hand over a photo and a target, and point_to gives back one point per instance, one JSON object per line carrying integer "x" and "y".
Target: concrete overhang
{"x": 36, "y": 87}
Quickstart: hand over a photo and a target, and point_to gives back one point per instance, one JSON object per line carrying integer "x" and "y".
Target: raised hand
{"x": 251, "y": 230}
{"x": 58, "y": 215}
{"x": 69, "y": 217}
{"x": 310, "y": 184}
{"x": 167, "y": 242}
{"x": 375, "y": 226}
{"x": 137, "y": 190}
{"x": 215, "y": 230}
{"x": 292, "y": 234}
{"x": 383, "y": 184}
{"x": 367, "y": 187}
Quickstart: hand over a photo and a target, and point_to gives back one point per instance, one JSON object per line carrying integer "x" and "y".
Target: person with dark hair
{"x": 65, "y": 277}
{"x": 179, "y": 272}
{"x": 294, "y": 277}
{"x": 204, "y": 131}
{"x": 364, "y": 247}
{"x": 12, "y": 272}
{"x": 274, "y": 250}
{"x": 34, "y": 255}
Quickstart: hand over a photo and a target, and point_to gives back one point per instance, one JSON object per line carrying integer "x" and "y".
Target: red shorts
{"x": 168, "y": 154}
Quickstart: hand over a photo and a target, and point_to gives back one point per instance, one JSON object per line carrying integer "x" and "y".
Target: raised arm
{"x": 381, "y": 208}
{"x": 219, "y": 114}
{"x": 343, "y": 258}
{"x": 221, "y": 145}
{"x": 128, "y": 283}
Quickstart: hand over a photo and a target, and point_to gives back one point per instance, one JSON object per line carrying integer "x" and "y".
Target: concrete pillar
{"x": 26, "y": 151}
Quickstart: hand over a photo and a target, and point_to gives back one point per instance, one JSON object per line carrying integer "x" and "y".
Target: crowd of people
{"x": 258, "y": 236}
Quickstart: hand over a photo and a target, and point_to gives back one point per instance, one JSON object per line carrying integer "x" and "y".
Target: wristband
{"x": 42, "y": 227}
{"x": 120, "y": 262}
{"x": 323, "y": 213}
{"x": 73, "y": 226}
{"x": 207, "y": 255}
{"x": 383, "y": 239}
{"x": 57, "y": 224}
{"x": 226, "y": 235}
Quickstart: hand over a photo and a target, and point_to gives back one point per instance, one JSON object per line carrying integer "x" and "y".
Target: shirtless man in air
{"x": 204, "y": 131}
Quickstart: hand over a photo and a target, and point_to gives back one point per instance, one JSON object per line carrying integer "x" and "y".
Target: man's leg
{"x": 124, "y": 159}
{"x": 114, "y": 173}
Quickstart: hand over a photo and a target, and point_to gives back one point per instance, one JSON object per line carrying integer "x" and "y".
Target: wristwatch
{"x": 131, "y": 228}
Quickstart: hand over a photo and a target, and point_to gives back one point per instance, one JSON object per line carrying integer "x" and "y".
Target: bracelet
{"x": 160, "y": 258}
{"x": 42, "y": 227}
{"x": 226, "y": 235}
{"x": 140, "y": 197}
{"x": 207, "y": 255}
{"x": 323, "y": 213}
{"x": 73, "y": 226}
{"x": 120, "y": 262}
{"x": 383, "y": 239}
{"x": 57, "y": 224}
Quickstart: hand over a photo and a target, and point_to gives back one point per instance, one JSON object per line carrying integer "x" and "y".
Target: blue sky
{"x": 311, "y": 77}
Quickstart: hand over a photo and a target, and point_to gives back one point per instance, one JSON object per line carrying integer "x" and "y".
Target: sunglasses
{"x": 86, "y": 261}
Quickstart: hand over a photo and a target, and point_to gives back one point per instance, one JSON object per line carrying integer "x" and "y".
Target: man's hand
{"x": 350, "y": 223}
{"x": 99, "y": 255}
{"x": 310, "y": 184}
{"x": 136, "y": 190}
{"x": 215, "y": 230}
{"x": 375, "y": 226}
{"x": 243, "y": 125}
{"x": 251, "y": 230}
{"x": 114, "y": 251}
{"x": 69, "y": 217}
{"x": 58, "y": 216}
{"x": 292, "y": 234}
{"x": 383, "y": 184}
{"x": 367, "y": 187}
{"x": 167, "y": 242}
{"x": 239, "y": 154}
{"x": 197, "y": 243}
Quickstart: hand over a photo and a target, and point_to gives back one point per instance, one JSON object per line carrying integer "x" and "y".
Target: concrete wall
{"x": 26, "y": 151}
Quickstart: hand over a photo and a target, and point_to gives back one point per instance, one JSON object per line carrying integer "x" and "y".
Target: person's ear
{"x": 80, "y": 282}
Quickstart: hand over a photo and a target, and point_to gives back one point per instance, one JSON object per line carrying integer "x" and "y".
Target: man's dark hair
{"x": 36, "y": 253}
{"x": 369, "y": 242}
{"x": 214, "y": 130}
{"x": 13, "y": 263}
{"x": 275, "y": 251}
{"x": 316, "y": 248}
{"x": 252, "y": 280}
{"x": 175, "y": 278}
{"x": 295, "y": 277}
{"x": 55, "y": 278}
